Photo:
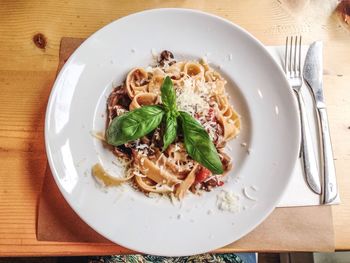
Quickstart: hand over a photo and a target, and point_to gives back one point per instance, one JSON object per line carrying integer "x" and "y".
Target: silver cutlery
{"x": 292, "y": 68}
{"x": 312, "y": 73}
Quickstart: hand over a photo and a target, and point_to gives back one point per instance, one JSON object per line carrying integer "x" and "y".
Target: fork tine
{"x": 299, "y": 55}
{"x": 295, "y": 55}
{"x": 290, "y": 54}
{"x": 286, "y": 56}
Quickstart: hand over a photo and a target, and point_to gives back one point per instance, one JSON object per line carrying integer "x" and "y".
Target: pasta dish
{"x": 156, "y": 123}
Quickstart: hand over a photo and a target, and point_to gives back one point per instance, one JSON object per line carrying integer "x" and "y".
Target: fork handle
{"x": 308, "y": 154}
{"x": 330, "y": 181}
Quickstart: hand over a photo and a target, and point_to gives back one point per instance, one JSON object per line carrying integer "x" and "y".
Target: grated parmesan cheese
{"x": 141, "y": 146}
{"x": 228, "y": 201}
{"x": 191, "y": 102}
{"x": 176, "y": 147}
{"x": 154, "y": 53}
{"x": 164, "y": 187}
{"x": 136, "y": 172}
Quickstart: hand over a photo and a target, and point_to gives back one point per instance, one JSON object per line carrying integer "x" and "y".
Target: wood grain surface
{"x": 30, "y": 33}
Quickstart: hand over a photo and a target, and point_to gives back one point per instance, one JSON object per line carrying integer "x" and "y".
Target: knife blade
{"x": 313, "y": 73}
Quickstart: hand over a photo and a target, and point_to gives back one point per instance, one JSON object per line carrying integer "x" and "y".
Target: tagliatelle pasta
{"x": 200, "y": 91}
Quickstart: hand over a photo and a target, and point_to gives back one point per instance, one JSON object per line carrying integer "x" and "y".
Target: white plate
{"x": 259, "y": 91}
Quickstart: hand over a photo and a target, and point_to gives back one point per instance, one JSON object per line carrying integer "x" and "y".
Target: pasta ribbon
{"x": 136, "y": 81}
{"x": 158, "y": 173}
{"x": 228, "y": 118}
{"x": 186, "y": 184}
{"x": 142, "y": 99}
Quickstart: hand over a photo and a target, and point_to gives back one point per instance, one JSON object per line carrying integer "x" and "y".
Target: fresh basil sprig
{"x": 170, "y": 118}
{"x": 139, "y": 122}
{"x": 134, "y": 124}
{"x": 169, "y": 96}
{"x": 170, "y": 130}
{"x": 199, "y": 145}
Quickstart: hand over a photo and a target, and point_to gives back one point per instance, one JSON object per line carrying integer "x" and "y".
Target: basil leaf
{"x": 134, "y": 124}
{"x": 170, "y": 130}
{"x": 199, "y": 145}
{"x": 168, "y": 95}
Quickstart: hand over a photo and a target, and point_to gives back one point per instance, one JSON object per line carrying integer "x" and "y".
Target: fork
{"x": 292, "y": 69}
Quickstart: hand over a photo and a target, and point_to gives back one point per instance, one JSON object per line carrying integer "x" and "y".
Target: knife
{"x": 312, "y": 73}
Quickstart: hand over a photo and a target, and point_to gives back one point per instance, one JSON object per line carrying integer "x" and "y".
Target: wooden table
{"x": 30, "y": 34}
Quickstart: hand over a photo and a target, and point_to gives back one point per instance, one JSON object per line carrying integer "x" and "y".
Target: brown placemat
{"x": 286, "y": 229}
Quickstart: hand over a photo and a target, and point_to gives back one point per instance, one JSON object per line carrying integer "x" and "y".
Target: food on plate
{"x": 169, "y": 125}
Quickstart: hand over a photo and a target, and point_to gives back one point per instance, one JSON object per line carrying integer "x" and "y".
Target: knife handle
{"x": 330, "y": 182}
{"x": 309, "y": 158}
